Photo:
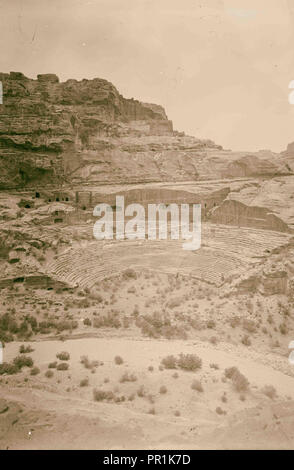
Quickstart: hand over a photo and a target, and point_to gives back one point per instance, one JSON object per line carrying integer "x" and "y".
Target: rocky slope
{"x": 86, "y": 132}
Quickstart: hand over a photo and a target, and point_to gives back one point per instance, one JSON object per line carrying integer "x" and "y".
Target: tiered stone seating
{"x": 225, "y": 251}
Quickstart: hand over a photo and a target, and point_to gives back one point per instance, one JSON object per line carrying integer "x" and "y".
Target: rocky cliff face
{"x": 86, "y": 132}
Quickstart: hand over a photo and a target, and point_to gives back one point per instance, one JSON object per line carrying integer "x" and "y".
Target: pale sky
{"x": 221, "y": 68}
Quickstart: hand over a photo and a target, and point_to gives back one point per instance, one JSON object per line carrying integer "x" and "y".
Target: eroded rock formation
{"x": 53, "y": 133}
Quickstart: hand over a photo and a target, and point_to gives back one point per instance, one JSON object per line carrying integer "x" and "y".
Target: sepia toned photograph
{"x": 146, "y": 227}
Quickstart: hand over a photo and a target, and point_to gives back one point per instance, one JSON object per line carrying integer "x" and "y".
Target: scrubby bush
{"x": 196, "y": 385}
{"x": 110, "y": 320}
{"x": 63, "y": 366}
{"x": 239, "y": 381}
{"x": 89, "y": 364}
{"x": 23, "y": 361}
{"x": 246, "y": 340}
{"x": 127, "y": 377}
{"x": 224, "y": 398}
{"x": 84, "y": 382}
{"x": 283, "y": 328}
{"x": 189, "y": 362}
{"x": 8, "y": 369}
{"x": 87, "y": 322}
{"x": 25, "y": 349}
{"x": 249, "y": 325}
{"x": 49, "y": 374}
{"x": 35, "y": 371}
{"x": 66, "y": 325}
{"x": 220, "y": 411}
{"x": 118, "y": 360}
{"x": 234, "y": 321}
{"x": 211, "y": 324}
{"x": 141, "y": 391}
{"x": 129, "y": 274}
{"x": 169, "y": 362}
{"x": 230, "y": 371}
{"x": 158, "y": 325}
{"x": 63, "y": 356}
{"x": 101, "y": 395}
{"x": 163, "y": 390}
{"x": 52, "y": 365}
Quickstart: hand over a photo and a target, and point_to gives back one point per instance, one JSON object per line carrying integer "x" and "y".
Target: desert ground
{"x": 141, "y": 344}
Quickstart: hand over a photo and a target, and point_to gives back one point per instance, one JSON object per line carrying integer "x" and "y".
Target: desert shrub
{"x": 6, "y": 337}
{"x": 101, "y": 395}
{"x": 270, "y": 319}
{"x": 230, "y": 371}
{"x": 136, "y": 311}
{"x": 157, "y": 325}
{"x": 269, "y": 391}
{"x": 63, "y": 366}
{"x": 8, "y": 369}
{"x": 189, "y": 362}
{"x": 211, "y": 324}
{"x": 110, "y": 320}
{"x": 246, "y": 340}
{"x": 126, "y": 322}
{"x": 234, "y": 321}
{"x": 213, "y": 340}
{"x": 118, "y": 360}
{"x": 8, "y": 324}
{"x": 89, "y": 364}
{"x": 239, "y": 381}
{"x": 127, "y": 377}
{"x": 177, "y": 413}
{"x": 196, "y": 385}
{"x": 23, "y": 361}
{"x": 141, "y": 391}
{"x": 49, "y": 374}
{"x": 249, "y": 325}
{"x": 87, "y": 322}
{"x": 283, "y": 329}
{"x": 169, "y": 362}
{"x": 84, "y": 382}
{"x": 25, "y": 349}
{"x": 129, "y": 274}
{"x": 196, "y": 323}
{"x": 63, "y": 356}
{"x": 35, "y": 371}
{"x": 224, "y": 398}
{"x": 52, "y": 365}
{"x": 220, "y": 411}
{"x": 173, "y": 303}
{"x": 214, "y": 366}
{"x": 163, "y": 389}
{"x": 131, "y": 290}
{"x": 152, "y": 411}
{"x": 66, "y": 325}
{"x": 151, "y": 368}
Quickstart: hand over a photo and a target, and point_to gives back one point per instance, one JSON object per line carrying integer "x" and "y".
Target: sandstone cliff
{"x": 54, "y": 133}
